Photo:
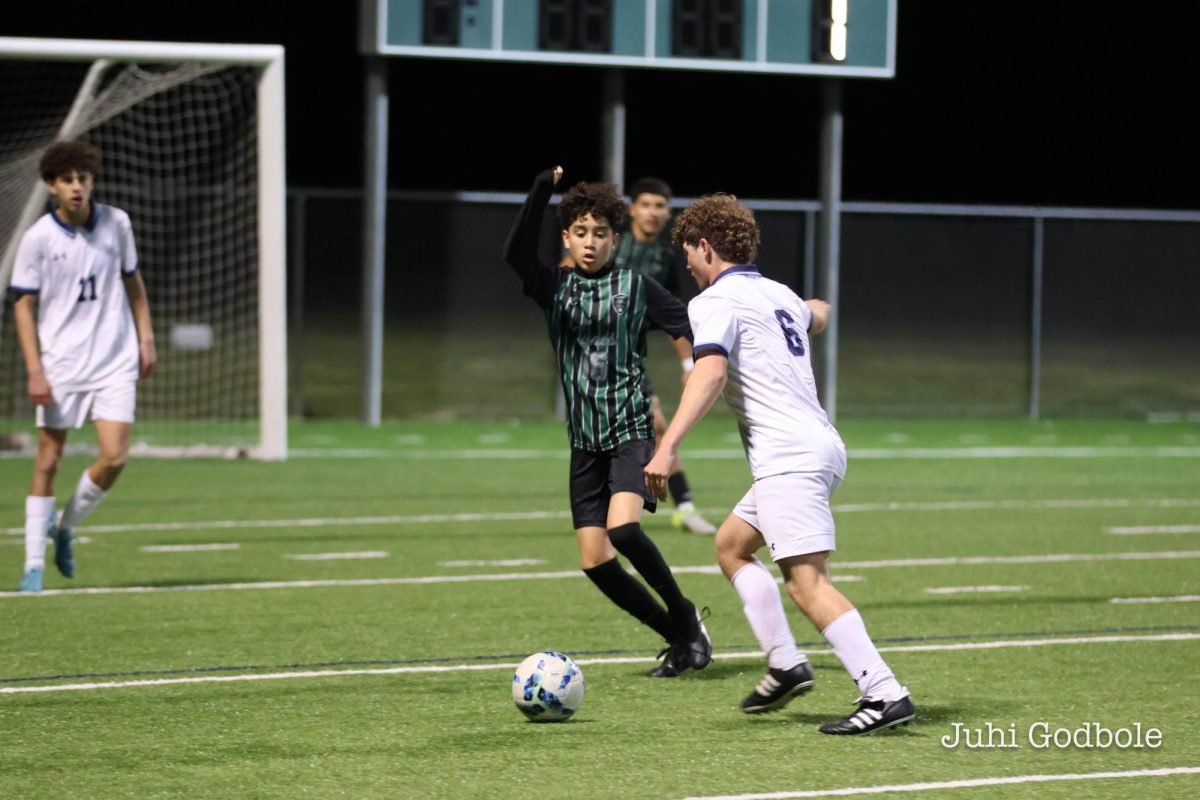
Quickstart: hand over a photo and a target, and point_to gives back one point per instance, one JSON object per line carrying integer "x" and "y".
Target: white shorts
{"x": 792, "y": 512}
{"x": 113, "y": 403}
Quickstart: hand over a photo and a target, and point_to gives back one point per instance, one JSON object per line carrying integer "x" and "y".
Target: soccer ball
{"x": 548, "y": 687}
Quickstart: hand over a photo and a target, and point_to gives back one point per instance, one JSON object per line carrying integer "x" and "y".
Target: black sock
{"x": 680, "y": 492}
{"x": 633, "y": 543}
{"x": 629, "y": 593}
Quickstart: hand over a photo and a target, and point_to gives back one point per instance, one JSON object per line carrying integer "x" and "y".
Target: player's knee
{"x": 625, "y": 536}
{"x": 806, "y": 584}
{"x": 728, "y": 547}
{"x": 113, "y": 461}
{"x": 47, "y": 461}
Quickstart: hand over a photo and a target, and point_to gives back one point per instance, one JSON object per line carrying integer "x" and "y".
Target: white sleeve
{"x": 806, "y": 315}
{"x": 27, "y": 270}
{"x": 129, "y": 259}
{"x": 714, "y": 326}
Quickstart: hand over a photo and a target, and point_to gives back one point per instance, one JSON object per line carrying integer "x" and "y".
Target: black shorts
{"x": 596, "y": 477}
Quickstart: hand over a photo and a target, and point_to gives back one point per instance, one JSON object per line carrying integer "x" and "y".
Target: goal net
{"x": 191, "y": 140}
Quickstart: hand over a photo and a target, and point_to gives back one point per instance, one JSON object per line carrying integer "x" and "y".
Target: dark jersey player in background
{"x": 598, "y": 318}
{"x": 643, "y": 250}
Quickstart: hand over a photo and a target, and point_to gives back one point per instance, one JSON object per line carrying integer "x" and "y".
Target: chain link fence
{"x": 944, "y": 310}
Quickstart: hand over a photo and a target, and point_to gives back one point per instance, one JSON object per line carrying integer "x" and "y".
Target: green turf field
{"x": 247, "y": 670}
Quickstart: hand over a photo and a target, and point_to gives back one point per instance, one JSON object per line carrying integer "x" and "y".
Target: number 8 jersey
{"x": 85, "y": 327}
{"x": 761, "y": 326}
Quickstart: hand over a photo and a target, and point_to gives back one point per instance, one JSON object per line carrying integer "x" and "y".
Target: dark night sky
{"x": 1070, "y": 102}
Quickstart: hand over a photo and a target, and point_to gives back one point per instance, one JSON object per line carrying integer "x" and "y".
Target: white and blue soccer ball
{"x": 548, "y": 687}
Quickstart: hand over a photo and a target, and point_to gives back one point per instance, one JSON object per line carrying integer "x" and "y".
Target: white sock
{"x": 853, "y": 646}
{"x": 87, "y": 496}
{"x": 39, "y": 516}
{"x": 760, "y": 600}
{"x": 686, "y": 507}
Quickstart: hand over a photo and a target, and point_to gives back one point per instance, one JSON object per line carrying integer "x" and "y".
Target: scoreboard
{"x": 850, "y": 38}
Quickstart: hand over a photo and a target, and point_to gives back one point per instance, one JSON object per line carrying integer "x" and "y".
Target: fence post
{"x": 1035, "y": 324}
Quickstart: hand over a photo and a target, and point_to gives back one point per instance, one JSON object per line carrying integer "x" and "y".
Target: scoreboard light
{"x": 851, "y": 38}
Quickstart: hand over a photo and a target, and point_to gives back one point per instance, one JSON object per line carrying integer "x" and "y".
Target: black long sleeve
{"x": 521, "y": 250}
{"x": 665, "y": 311}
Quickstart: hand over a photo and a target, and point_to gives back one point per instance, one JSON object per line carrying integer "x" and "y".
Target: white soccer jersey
{"x": 85, "y": 326}
{"x": 761, "y": 326}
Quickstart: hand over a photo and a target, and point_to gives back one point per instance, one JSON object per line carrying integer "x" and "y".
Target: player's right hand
{"x": 39, "y": 390}
{"x": 557, "y": 175}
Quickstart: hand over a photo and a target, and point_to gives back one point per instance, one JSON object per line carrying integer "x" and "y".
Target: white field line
{"x": 969, "y": 783}
{"x": 338, "y": 556}
{"x": 755, "y": 655}
{"x": 1139, "y": 530}
{"x": 972, "y": 589}
{"x": 705, "y": 569}
{"x": 1183, "y": 598}
{"x": 21, "y": 541}
{"x": 1048, "y": 558}
{"x": 737, "y": 454}
{"x": 518, "y": 516}
{"x": 320, "y": 522}
{"x": 187, "y": 548}
{"x": 507, "y": 562}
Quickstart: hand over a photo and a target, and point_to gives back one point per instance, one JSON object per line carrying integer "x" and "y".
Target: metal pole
{"x": 830, "y": 224}
{"x": 810, "y": 254}
{"x": 374, "y": 237}
{"x": 296, "y": 315}
{"x": 614, "y": 127}
{"x": 1035, "y": 324}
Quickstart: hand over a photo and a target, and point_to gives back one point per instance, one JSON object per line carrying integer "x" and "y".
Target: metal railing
{"x": 945, "y": 309}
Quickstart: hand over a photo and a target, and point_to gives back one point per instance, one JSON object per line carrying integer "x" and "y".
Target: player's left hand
{"x": 147, "y": 358}
{"x": 657, "y": 472}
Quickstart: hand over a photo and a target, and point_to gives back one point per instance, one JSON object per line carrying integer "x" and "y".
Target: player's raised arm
{"x": 521, "y": 248}
{"x": 820, "y": 315}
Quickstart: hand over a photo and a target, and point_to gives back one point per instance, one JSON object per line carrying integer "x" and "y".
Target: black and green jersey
{"x": 657, "y": 259}
{"x": 598, "y": 325}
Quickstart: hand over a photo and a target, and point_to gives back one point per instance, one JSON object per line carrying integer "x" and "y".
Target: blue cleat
{"x": 64, "y": 555}
{"x": 32, "y": 580}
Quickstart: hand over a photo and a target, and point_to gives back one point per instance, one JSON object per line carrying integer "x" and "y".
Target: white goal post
{"x": 199, "y": 164}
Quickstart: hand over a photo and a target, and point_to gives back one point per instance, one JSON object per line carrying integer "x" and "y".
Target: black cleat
{"x": 699, "y": 645}
{"x": 64, "y": 554}
{"x": 873, "y": 715}
{"x": 778, "y": 687}
{"x": 674, "y": 662}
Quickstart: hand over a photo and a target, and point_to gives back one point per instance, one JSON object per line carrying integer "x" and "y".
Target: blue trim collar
{"x": 740, "y": 269}
{"x": 69, "y": 229}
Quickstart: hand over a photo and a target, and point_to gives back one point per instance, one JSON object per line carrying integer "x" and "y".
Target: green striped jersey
{"x": 657, "y": 259}
{"x": 598, "y": 325}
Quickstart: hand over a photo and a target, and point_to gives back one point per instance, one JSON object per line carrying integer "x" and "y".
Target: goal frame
{"x": 268, "y": 59}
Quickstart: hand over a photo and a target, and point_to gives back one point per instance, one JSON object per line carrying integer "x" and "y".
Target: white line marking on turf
{"x": 970, "y": 589}
{"x": 320, "y": 522}
{"x": 21, "y": 542}
{"x": 1183, "y": 598}
{"x": 187, "y": 548}
{"x": 729, "y": 454}
{"x": 1019, "y": 505}
{"x": 959, "y": 784}
{"x": 507, "y": 562}
{"x": 338, "y": 556}
{"x": 1048, "y": 558}
{"x": 1137, "y": 530}
{"x": 706, "y": 569}
{"x": 337, "y": 673}
{"x": 506, "y": 516}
